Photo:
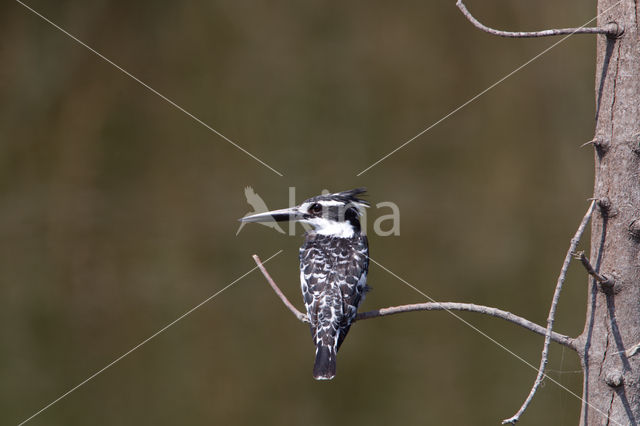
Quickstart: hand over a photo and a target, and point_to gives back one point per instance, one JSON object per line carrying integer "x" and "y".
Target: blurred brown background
{"x": 118, "y": 212}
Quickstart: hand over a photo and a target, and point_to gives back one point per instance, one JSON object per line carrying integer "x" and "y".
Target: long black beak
{"x": 282, "y": 215}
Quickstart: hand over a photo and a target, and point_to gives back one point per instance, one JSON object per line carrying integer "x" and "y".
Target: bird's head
{"x": 336, "y": 214}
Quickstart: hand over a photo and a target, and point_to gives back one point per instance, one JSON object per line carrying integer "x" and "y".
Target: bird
{"x": 334, "y": 263}
{"x": 258, "y": 204}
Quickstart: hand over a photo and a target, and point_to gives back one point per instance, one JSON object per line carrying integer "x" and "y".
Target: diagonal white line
{"x": 143, "y": 342}
{"x": 483, "y": 92}
{"x": 146, "y": 86}
{"x": 492, "y": 340}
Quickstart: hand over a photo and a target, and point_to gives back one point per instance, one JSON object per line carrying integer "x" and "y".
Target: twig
{"x": 302, "y": 317}
{"x": 632, "y": 351}
{"x": 612, "y": 29}
{"x": 431, "y": 306}
{"x": 590, "y": 269}
{"x": 470, "y": 307}
{"x": 552, "y": 313}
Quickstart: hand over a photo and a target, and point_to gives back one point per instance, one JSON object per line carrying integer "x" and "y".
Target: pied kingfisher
{"x": 334, "y": 261}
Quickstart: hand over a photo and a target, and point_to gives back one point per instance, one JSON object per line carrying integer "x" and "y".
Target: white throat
{"x": 329, "y": 227}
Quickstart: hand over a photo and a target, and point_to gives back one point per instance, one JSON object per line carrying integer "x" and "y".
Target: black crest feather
{"x": 350, "y": 196}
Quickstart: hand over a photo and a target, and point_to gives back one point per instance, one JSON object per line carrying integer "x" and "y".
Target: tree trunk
{"x": 611, "y": 379}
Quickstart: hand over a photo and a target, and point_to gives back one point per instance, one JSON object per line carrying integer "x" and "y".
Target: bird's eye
{"x": 315, "y": 208}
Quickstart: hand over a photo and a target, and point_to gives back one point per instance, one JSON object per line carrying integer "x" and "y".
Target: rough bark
{"x": 612, "y": 379}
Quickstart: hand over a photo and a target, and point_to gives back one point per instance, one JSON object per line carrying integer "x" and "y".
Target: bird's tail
{"x": 325, "y": 365}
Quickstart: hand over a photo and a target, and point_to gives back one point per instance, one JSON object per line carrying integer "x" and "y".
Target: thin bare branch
{"x": 469, "y": 307}
{"x": 302, "y": 317}
{"x": 552, "y": 313}
{"x": 612, "y": 29}
{"x": 603, "y": 280}
{"x": 431, "y": 306}
{"x": 632, "y": 350}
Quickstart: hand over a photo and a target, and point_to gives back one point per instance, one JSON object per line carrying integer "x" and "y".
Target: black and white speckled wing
{"x": 352, "y": 269}
{"x": 333, "y": 273}
{"x": 321, "y": 298}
